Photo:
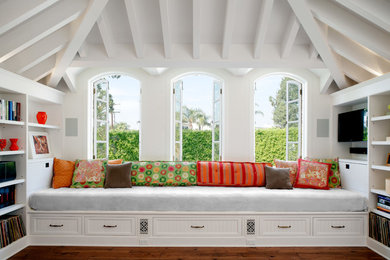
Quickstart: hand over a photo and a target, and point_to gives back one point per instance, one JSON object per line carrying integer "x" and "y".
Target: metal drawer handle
{"x": 338, "y": 226}
{"x": 197, "y": 226}
{"x": 53, "y": 225}
{"x": 109, "y": 226}
{"x": 284, "y": 226}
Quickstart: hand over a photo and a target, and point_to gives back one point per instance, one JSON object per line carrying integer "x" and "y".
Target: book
{"x": 18, "y": 112}
{"x": 11, "y": 229}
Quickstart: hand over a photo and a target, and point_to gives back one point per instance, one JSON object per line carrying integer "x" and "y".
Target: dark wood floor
{"x": 225, "y": 253}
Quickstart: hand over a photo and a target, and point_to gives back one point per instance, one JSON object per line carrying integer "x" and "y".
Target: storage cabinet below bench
{"x": 208, "y": 229}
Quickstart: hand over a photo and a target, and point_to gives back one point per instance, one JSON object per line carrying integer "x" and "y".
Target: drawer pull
{"x": 110, "y": 226}
{"x": 284, "y": 226}
{"x": 197, "y": 226}
{"x": 338, "y": 226}
{"x": 53, "y": 225}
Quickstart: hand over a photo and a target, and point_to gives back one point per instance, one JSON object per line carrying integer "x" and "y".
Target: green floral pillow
{"x": 334, "y": 177}
{"x": 163, "y": 173}
{"x": 89, "y": 174}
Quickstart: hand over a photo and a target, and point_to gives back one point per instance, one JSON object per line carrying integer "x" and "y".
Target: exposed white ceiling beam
{"x": 166, "y": 31}
{"x": 211, "y": 57}
{"x": 355, "y": 72}
{"x": 262, "y": 26}
{"x": 41, "y": 70}
{"x": 135, "y": 32}
{"x": 312, "y": 51}
{"x": 196, "y": 28}
{"x": 38, "y": 27}
{"x": 317, "y": 37}
{"x": 70, "y": 82}
{"x": 290, "y": 35}
{"x": 38, "y": 52}
{"x": 14, "y": 12}
{"x": 106, "y": 33}
{"x": 82, "y": 28}
{"x": 375, "y": 11}
{"x": 229, "y": 26}
{"x": 352, "y": 26}
{"x": 358, "y": 54}
{"x": 83, "y": 51}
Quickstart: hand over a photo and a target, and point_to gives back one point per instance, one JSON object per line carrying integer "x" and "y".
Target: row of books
{"x": 9, "y": 110}
{"x": 11, "y": 229}
{"x": 379, "y": 229}
{"x": 383, "y": 203}
{"x": 7, "y": 196}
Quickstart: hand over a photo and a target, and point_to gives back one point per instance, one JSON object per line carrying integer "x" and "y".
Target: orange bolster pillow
{"x": 231, "y": 173}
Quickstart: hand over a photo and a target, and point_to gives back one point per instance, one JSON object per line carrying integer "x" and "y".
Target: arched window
{"x": 197, "y": 117}
{"x": 116, "y": 118}
{"x": 278, "y": 118}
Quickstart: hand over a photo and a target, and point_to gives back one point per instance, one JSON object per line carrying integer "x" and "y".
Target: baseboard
{"x": 379, "y": 248}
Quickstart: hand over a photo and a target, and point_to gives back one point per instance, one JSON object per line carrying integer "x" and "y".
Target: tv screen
{"x": 352, "y": 126}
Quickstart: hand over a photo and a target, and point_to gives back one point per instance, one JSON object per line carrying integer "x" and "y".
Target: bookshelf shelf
{"x": 11, "y": 208}
{"x": 381, "y": 213}
{"x": 380, "y": 167}
{"x": 43, "y": 126}
{"x": 13, "y": 182}
{"x": 10, "y": 122}
{"x": 380, "y": 143}
{"x": 380, "y": 118}
{"x": 11, "y": 152}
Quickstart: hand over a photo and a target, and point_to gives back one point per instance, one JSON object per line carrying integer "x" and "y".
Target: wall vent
{"x": 250, "y": 227}
{"x": 143, "y": 226}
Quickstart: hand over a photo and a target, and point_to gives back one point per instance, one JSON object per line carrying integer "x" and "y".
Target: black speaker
{"x": 358, "y": 150}
{"x": 7, "y": 171}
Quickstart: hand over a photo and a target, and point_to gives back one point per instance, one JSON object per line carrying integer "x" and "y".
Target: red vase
{"x": 41, "y": 117}
{"x": 14, "y": 146}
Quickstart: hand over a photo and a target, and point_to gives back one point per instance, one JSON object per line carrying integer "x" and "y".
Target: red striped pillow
{"x": 230, "y": 173}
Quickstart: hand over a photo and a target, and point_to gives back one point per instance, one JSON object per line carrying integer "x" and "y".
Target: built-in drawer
{"x": 284, "y": 226}
{"x": 197, "y": 227}
{"x": 58, "y": 225}
{"x": 353, "y": 226}
{"x": 115, "y": 226}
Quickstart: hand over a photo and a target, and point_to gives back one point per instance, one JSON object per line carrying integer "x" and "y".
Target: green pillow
{"x": 157, "y": 173}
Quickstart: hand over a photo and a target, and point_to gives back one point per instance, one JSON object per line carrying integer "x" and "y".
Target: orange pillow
{"x": 116, "y": 161}
{"x": 237, "y": 174}
{"x": 63, "y": 173}
{"x": 292, "y": 165}
{"x": 313, "y": 175}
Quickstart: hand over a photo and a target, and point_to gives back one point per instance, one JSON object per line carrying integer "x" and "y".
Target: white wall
{"x": 238, "y": 121}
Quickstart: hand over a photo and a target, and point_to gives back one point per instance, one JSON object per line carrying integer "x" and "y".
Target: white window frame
{"x": 213, "y": 123}
{"x": 299, "y": 121}
{"x": 95, "y": 120}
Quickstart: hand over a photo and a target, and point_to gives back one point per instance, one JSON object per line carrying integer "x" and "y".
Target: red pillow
{"x": 231, "y": 174}
{"x": 314, "y": 175}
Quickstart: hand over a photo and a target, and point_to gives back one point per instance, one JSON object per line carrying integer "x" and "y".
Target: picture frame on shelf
{"x": 388, "y": 160}
{"x": 39, "y": 145}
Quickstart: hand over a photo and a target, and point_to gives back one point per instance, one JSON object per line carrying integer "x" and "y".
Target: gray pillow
{"x": 118, "y": 176}
{"x": 277, "y": 178}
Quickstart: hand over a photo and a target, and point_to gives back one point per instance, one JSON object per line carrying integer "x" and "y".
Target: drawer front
{"x": 116, "y": 226}
{"x": 339, "y": 226}
{"x": 41, "y": 225}
{"x": 274, "y": 226}
{"x": 197, "y": 227}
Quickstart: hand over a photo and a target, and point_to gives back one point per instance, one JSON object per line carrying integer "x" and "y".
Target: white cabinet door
{"x": 354, "y": 176}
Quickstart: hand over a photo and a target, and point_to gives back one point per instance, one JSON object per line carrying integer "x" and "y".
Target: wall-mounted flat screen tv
{"x": 352, "y": 126}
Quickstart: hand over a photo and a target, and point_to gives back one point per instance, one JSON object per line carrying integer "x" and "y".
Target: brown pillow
{"x": 62, "y": 173}
{"x": 277, "y": 178}
{"x": 118, "y": 176}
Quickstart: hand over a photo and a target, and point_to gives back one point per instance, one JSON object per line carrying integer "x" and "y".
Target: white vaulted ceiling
{"x": 44, "y": 39}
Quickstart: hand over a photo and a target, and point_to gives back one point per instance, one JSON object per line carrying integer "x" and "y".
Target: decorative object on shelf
{"x": 388, "y": 139}
{"x": 3, "y": 143}
{"x": 388, "y": 186}
{"x": 39, "y": 145}
{"x": 14, "y": 146}
{"x": 388, "y": 112}
{"x": 41, "y": 117}
{"x": 388, "y": 159}
{"x": 7, "y": 171}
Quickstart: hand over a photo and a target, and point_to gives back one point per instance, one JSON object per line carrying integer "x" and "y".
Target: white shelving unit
{"x": 33, "y": 97}
{"x": 380, "y": 118}
{"x": 380, "y": 167}
{"x": 380, "y": 143}
{"x": 380, "y": 192}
